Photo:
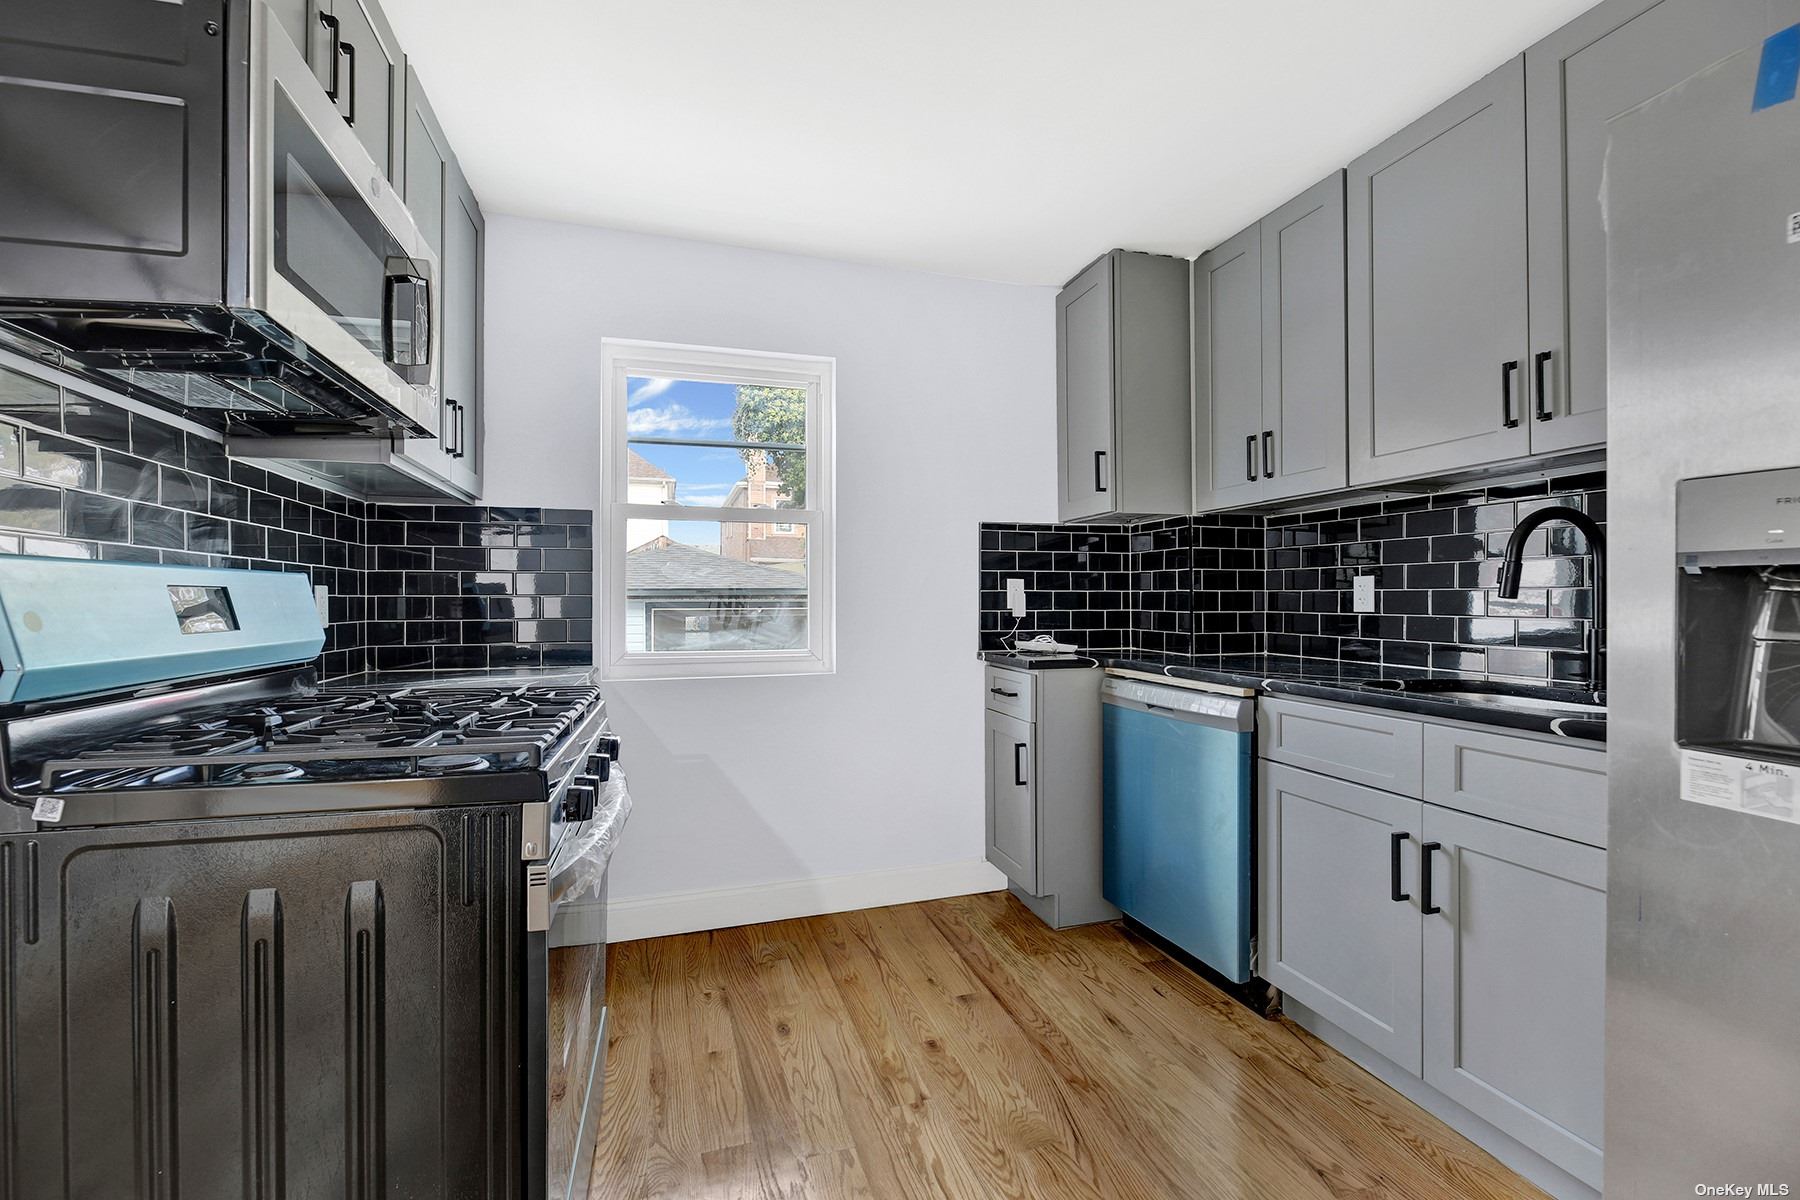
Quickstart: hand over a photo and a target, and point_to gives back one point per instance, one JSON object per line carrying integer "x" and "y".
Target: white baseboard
{"x": 721, "y": 908}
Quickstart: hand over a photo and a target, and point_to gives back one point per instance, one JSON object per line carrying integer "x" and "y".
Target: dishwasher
{"x": 1177, "y": 815}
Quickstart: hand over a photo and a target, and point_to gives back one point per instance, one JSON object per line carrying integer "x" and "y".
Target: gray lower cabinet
{"x": 1515, "y": 983}
{"x": 1012, "y": 799}
{"x": 1610, "y": 59}
{"x": 1333, "y": 936}
{"x": 1454, "y": 941}
{"x": 1043, "y": 790}
{"x": 1437, "y": 289}
{"x": 1122, "y": 393}
{"x": 1268, "y": 344}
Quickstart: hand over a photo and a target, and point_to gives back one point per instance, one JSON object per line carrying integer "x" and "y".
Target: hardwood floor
{"x": 959, "y": 1049}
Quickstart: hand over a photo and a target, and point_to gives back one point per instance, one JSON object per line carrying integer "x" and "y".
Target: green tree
{"x": 772, "y": 414}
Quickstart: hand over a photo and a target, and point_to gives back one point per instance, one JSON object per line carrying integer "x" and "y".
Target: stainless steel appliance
{"x": 186, "y": 214}
{"x": 1702, "y": 203}
{"x": 1178, "y": 771}
{"x": 260, "y": 936}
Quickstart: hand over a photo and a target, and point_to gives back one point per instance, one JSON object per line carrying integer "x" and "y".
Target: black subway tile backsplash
{"x": 454, "y": 578}
{"x": 1280, "y": 584}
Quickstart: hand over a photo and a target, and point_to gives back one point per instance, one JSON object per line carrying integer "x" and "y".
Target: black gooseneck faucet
{"x": 1511, "y": 568}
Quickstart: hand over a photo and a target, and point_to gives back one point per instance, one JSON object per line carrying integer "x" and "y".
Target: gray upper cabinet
{"x": 1122, "y": 389}
{"x": 447, "y": 214}
{"x": 1269, "y": 356}
{"x": 1608, "y": 60}
{"x": 1438, "y": 335}
{"x": 1228, "y": 373}
{"x": 1303, "y": 343}
{"x": 1515, "y": 983}
{"x": 353, "y": 51}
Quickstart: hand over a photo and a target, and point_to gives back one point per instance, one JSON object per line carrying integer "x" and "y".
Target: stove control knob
{"x": 600, "y": 767}
{"x": 578, "y": 800}
{"x": 609, "y": 746}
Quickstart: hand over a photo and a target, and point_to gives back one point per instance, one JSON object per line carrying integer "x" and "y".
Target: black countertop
{"x": 1346, "y": 683}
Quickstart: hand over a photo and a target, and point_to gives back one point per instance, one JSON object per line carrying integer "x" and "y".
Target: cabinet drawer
{"x": 1364, "y": 747}
{"x": 1560, "y": 790}
{"x": 1009, "y": 692}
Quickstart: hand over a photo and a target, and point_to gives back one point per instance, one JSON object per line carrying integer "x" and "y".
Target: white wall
{"x": 945, "y": 418}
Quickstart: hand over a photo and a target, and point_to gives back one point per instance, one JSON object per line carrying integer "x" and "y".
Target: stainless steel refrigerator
{"x": 1702, "y": 197}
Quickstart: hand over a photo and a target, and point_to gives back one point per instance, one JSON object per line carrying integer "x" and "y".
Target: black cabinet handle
{"x": 1099, "y": 464}
{"x": 1018, "y": 765}
{"x": 1003, "y": 692}
{"x": 1250, "y": 458}
{"x": 462, "y": 430}
{"x": 1508, "y": 417}
{"x": 1425, "y": 904}
{"x": 1396, "y": 841}
{"x": 350, "y": 53}
{"x": 1268, "y": 454}
{"x": 330, "y": 23}
{"x": 1539, "y": 361}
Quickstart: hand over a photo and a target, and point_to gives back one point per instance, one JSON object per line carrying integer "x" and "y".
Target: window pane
{"x": 728, "y": 475}
{"x": 714, "y": 586}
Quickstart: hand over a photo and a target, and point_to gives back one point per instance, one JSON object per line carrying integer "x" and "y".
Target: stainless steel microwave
{"x": 186, "y": 214}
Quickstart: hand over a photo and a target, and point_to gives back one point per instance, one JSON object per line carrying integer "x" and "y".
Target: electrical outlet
{"x": 1362, "y": 594}
{"x": 1015, "y": 597}
{"x": 322, "y": 602}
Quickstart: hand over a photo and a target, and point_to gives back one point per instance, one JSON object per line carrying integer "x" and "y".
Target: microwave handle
{"x": 408, "y": 296}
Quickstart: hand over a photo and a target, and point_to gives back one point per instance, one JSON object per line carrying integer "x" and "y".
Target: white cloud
{"x": 674, "y": 419}
{"x": 712, "y": 499}
{"x": 647, "y": 389}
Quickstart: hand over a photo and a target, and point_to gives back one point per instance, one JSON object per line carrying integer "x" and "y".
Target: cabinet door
{"x": 1437, "y": 304}
{"x": 465, "y": 240}
{"x": 1604, "y": 62}
{"x": 1332, "y": 934}
{"x": 1515, "y": 983}
{"x": 1085, "y": 392}
{"x": 370, "y": 78}
{"x": 1012, "y": 799}
{"x": 1228, "y": 373}
{"x": 1303, "y": 343}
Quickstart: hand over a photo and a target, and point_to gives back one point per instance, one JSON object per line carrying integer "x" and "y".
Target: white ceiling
{"x": 1000, "y": 139}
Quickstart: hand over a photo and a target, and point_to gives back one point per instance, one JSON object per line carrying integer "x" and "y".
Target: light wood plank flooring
{"x": 959, "y": 1049}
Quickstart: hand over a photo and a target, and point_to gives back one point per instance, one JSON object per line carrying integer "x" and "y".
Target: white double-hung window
{"x": 716, "y": 513}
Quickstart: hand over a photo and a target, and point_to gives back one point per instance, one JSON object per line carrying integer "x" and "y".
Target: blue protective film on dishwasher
{"x": 1779, "y": 72}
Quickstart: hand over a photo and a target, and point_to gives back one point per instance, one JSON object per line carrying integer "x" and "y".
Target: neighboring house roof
{"x": 639, "y": 467}
{"x": 666, "y": 566}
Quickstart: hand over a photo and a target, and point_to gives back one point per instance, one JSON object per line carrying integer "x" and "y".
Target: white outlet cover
{"x": 322, "y": 601}
{"x": 1015, "y": 596}
{"x": 1362, "y": 594}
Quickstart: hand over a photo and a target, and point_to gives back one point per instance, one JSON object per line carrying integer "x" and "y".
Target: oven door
{"x": 335, "y": 259}
{"x": 575, "y": 1025}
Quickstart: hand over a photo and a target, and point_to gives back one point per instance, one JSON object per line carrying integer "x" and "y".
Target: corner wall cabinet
{"x": 1122, "y": 395}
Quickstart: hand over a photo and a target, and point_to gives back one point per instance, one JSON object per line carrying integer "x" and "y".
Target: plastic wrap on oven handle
{"x": 593, "y": 848}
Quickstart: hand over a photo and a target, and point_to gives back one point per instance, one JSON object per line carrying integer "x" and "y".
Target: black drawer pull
{"x": 1425, "y": 852}
{"x": 1003, "y": 692}
{"x": 1397, "y": 840}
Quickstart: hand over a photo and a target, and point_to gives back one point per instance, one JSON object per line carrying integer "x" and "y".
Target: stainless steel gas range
{"x": 264, "y": 937}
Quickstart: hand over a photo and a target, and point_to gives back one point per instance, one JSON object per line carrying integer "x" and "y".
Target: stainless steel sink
{"x": 1507, "y": 695}
{"x": 1535, "y": 703}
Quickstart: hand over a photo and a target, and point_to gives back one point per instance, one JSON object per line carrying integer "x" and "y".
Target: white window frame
{"x": 621, "y": 359}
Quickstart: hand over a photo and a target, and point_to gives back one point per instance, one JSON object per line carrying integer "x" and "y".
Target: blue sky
{"x": 687, "y": 408}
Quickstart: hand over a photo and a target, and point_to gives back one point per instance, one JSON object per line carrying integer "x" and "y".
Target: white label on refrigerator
{"x": 1765, "y": 789}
